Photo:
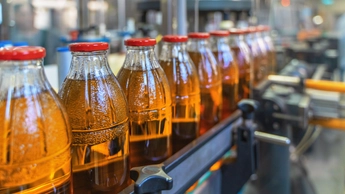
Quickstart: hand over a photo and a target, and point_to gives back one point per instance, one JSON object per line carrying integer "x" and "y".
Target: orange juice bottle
{"x": 98, "y": 113}
{"x": 210, "y": 79}
{"x": 149, "y": 100}
{"x": 242, "y": 56}
{"x": 222, "y": 52}
{"x": 185, "y": 90}
{"x": 272, "y": 61}
{"x": 35, "y": 135}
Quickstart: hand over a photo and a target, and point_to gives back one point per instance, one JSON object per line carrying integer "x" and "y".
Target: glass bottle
{"x": 35, "y": 135}
{"x": 229, "y": 67}
{"x": 210, "y": 78}
{"x": 256, "y": 55}
{"x": 98, "y": 114}
{"x": 184, "y": 84}
{"x": 272, "y": 61}
{"x": 147, "y": 90}
{"x": 242, "y": 55}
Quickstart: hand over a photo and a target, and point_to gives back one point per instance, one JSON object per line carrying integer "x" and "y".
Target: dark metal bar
{"x": 167, "y": 15}
{"x": 121, "y": 9}
{"x": 181, "y": 17}
{"x": 189, "y": 164}
{"x": 83, "y": 14}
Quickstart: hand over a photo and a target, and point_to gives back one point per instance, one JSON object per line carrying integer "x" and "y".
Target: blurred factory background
{"x": 51, "y": 23}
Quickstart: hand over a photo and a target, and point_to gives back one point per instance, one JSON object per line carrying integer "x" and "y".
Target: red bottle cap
{"x": 220, "y": 33}
{"x": 263, "y": 28}
{"x": 252, "y": 29}
{"x": 201, "y": 35}
{"x": 237, "y": 31}
{"x": 140, "y": 42}
{"x": 22, "y": 53}
{"x": 246, "y": 31}
{"x": 175, "y": 38}
{"x": 260, "y": 28}
{"x": 88, "y": 46}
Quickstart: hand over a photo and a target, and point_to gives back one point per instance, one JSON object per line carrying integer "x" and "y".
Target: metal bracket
{"x": 150, "y": 179}
{"x": 235, "y": 175}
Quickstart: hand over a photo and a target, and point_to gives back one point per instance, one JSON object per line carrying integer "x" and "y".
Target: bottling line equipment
{"x": 283, "y": 107}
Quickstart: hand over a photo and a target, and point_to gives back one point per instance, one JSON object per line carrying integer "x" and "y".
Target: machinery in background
{"x": 296, "y": 103}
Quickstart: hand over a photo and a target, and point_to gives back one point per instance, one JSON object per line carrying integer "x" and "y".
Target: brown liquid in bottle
{"x": 210, "y": 92}
{"x": 258, "y": 74}
{"x": 244, "y": 73}
{"x": 185, "y": 103}
{"x": 100, "y": 135}
{"x": 230, "y": 76}
{"x": 150, "y": 115}
{"x": 43, "y": 119}
{"x": 272, "y": 62}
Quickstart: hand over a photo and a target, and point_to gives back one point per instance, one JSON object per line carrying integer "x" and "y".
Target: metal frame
{"x": 189, "y": 164}
{"x": 204, "y": 5}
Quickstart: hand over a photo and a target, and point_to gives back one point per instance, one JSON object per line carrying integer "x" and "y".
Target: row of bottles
{"x": 102, "y": 124}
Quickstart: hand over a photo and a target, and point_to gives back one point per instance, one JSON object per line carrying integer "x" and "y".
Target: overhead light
{"x": 285, "y": 3}
{"x": 97, "y": 6}
{"x": 52, "y": 4}
{"x": 317, "y": 20}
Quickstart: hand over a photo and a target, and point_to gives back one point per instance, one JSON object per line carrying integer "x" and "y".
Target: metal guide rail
{"x": 189, "y": 164}
{"x": 184, "y": 168}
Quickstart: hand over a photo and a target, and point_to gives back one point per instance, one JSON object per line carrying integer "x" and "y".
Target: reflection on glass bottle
{"x": 222, "y": 52}
{"x": 98, "y": 114}
{"x": 149, "y": 100}
{"x": 242, "y": 56}
{"x": 210, "y": 80}
{"x": 184, "y": 84}
{"x": 35, "y": 135}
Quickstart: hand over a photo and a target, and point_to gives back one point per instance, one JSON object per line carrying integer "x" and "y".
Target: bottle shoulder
{"x": 145, "y": 89}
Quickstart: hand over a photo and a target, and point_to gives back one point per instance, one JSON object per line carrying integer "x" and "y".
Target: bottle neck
{"x": 88, "y": 65}
{"x": 258, "y": 35}
{"x": 22, "y": 78}
{"x": 174, "y": 51}
{"x": 235, "y": 40}
{"x": 140, "y": 58}
{"x": 196, "y": 44}
{"x": 220, "y": 44}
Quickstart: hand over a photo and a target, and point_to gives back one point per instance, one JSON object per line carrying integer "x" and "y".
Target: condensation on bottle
{"x": 149, "y": 100}
{"x": 98, "y": 113}
{"x": 242, "y": 56}
{"x": 229, "y": 67}
{"x": 210, "y": 78}
{"x": 184, "y": 84}
{"x": 35, "y": 135}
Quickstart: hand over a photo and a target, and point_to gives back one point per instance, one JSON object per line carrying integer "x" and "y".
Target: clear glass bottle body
{"x": 210, "y": 82}
{"x": 149, "y": 100}
{"x": 98, "y": 114}
{"x": 230, "y": 74}
{"x": 35, "y": 134}
{"x": 185, "y": 91}
{"x": 242, "y": 56}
